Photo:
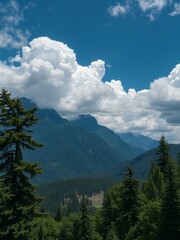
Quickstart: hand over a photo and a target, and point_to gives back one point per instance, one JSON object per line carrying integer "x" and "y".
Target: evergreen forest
{"x": 131, "y": 209}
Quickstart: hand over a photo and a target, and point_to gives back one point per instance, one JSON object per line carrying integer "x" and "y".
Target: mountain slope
{"x": 69, "y": 151}
{"x": 124, "y": 150}
{"x": 141, "y": 164}
{"x": 139, "y": 141}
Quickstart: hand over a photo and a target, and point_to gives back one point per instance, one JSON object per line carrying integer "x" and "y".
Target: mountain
{"x": 141, "y": 164}
{"x": 124, "y": 150}
{"x": 139, "y": 141}
{"x": 69, "y": 151}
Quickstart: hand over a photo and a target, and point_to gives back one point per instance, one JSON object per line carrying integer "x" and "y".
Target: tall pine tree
{"x": 163, "y": 153}
{"x": 170, "y": 210}
{"x": 129, "y": 207}
{"x": 153, "y": 188}
{"x": 17, "y": 213}
{"x": 84, "y": 221}
{"x": 107, "y": 214}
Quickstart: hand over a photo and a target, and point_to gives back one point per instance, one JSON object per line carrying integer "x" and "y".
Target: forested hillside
{"x": 142, "y": 163}
{"x": 61, "y": 191}
{"x": 132, "y": 209}
{"x": 69, "y": 151}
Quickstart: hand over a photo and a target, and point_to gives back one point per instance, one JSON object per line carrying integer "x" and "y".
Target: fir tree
{"x": 107, "y": 214}
{"x": 153, "y": 188}
{"x": 58, "y": 215}
{"x": 163, "y": 153}
{"x": 20, "y": 209}
{"x": 112, "y": 234}
{"x": 84, "y": 221}
{"x": 170, "y": 211}
{"x": 129, "y": 208}
{"x": 75, "y": 232}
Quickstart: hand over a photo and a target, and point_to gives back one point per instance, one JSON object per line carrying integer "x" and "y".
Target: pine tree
{"x": 58, "y": 215}
{"x": 107, "y": 214}
{"x": 75, "y": 232}
{"x": 170, "y": 210}
{"x": 129, "y": 208}
{"x": 163, "y": 153}
{"x": 112, "y": 234}
{"x": 15, "y": 173}
{"x": 153, "y": 188}
{"x": 84, "y": 221}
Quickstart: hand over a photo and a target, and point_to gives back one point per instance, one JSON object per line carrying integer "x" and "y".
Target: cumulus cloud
{"x": 11, "y": 15}
{"x": 49, "y": 74}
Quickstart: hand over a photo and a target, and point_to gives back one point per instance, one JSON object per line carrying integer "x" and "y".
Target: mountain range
{"x": 141, "y": 164}
{"x": 81, "y": 147}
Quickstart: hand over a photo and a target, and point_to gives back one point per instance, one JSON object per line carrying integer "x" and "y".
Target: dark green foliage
{"x": 57, "y": 192}
{"x": 107, "y": 214}
{"x": 40, "y": 232}
{"x": 85, "y": 232}
{"x": 163, "y": 153}
{"x": 75, "y": 233}
{"x": 58, "y": 215}
{"x": 20, "y": 208}
{"x": 112, "y": 234}
{"x": 129, "y": 205}
{"x": 170, "y": 211}
{"x": 148, "y": 223}
{"x": 45, "y": 229}
{"x": 153, "y": 188}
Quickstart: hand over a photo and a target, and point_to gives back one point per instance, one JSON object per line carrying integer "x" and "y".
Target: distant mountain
{"x": 139, "y": 141}
{"x": 141, "y": 164}
{"x": 69, "y": 151}
{"x": 124, "y": 150}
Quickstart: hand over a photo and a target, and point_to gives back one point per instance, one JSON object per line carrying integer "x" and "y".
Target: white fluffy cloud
{"x": 50, "y": 75}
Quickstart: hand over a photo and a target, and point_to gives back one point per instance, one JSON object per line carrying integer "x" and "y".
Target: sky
{"x": 116, "y": 60}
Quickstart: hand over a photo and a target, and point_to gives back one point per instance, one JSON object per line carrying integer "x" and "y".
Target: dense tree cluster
{"x": 18, "y": 203}
{"x": 131, "y": 209}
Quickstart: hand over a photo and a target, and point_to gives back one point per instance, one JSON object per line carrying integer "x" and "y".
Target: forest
{"x": 131, "y": 209}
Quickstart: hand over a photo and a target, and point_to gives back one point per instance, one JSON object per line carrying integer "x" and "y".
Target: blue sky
{"x": 132, "y": 42}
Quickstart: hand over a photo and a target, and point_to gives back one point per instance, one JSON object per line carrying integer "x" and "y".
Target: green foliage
{"x": 58, "y": 192}
{"x": 67, "y": 224}
{"x": 107, "y": 214}
{"x": 163, "y": 153}
{"x": 154, "y": 187}
{"x": 20, "y": 206}
{"x": 84, "y": 222}
{"x": 58, "y": 215}
{"x": 45, "y": 228}
{"x": 148, "y": 223}
{"x": 129, "y": 205}
{"x": 112, "y": 234}
{"x": 170, "y": 211}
